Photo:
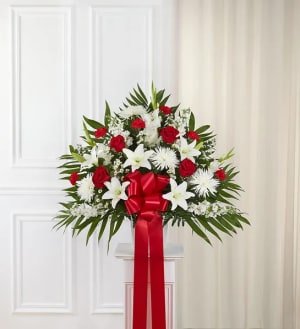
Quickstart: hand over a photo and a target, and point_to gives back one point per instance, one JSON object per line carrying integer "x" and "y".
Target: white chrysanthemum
{"x": 132, "y": 110}
{"x": 86, "y": 188}
{"x": 204, "y": 182}
{"x": 164, "y": 158}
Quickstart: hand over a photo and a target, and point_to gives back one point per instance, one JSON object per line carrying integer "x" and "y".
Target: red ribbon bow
{"x": 145, "y": 199}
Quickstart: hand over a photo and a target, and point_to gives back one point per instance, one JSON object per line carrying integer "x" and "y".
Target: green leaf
{"x": 142, "y": 94}
{"x": 224, "y": 222}
{"x": 205, "y": 224}
{"x": 78, "y": 157}
{"x": 103, "y": 225}
{"x": 192, "y": 122}
{"x": 92, "y": 228}
{"x": 92, "y": 123}
{"x": 153, "y": 99}
{"x": 87, "y": 136}
{"x": 201, "y": 129}
{"x": 227, "y": 156}
{"x": 219, "y": 226}
{"x": 197, "y": 230}
{"x": 107, "y": 115}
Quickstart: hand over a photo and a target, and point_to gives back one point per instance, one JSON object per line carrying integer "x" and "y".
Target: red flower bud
{"x": 73, "y": 178}
{"x": 187, "y": 168}
{"x": 100, "y": 176}
{"x": 192, "y": 135}
{"x": 138, "y": 124}
{"x": 100, "y": 132}
{"x": 220, "y": 174}
{"x": 169, "y": 134}
{"x": 117, "y": 143}
{"x": 165, "y": 109}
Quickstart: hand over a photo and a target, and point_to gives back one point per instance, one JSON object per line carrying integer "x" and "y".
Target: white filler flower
{"x": 132, "y": 110}
{"x": 204, "y": 182}
{"x": 178, "y": 195}
{"x": 86, "y": 188}
{"x": 137, "y": 158}
{"x": 164, "y": 158}
{"x": 116, "y": 191}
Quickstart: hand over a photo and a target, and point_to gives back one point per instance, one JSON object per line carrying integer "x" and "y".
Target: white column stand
{"x": 172, "y": 252}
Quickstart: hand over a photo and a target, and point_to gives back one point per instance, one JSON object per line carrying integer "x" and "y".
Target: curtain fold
{"x": 239, "y": 72}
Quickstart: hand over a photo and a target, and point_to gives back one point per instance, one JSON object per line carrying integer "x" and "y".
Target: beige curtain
{"x": 239, "y": 65}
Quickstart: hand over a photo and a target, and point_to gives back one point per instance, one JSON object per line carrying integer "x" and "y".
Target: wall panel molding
{"x": 24, "y": 258}
{"x": 118, "y": 29}
{"x": 41, "y": 84}
{"x": 98, "y": 260}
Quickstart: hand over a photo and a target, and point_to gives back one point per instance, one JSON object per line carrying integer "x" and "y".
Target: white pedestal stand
{"x": 172, "y": 252}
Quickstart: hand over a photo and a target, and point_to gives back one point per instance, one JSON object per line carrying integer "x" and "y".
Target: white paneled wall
{"x": 59, "y": 60}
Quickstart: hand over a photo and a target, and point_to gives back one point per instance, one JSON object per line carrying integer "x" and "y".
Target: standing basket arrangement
{"x": 149, "y": 164}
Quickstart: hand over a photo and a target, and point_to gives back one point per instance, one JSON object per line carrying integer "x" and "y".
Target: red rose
{"x": 100, "y": 132}
{"x": 138, "y": 124}
{"x": 169, "y": 134}
{"x": 100, "y": 176}
{"x": 187, "y": 168}
{"x": 220, "y": 174}
{"x": 117, "y": 143}
{"x": 165, "y": 109}
{"x": 73, "y": 178}
{"x": 192, "y": 135}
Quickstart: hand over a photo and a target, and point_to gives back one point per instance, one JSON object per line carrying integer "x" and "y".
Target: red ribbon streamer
{"x": 145, "y": 199}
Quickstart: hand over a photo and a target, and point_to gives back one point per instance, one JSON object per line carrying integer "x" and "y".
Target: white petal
{"x": 182, "y": 203}
{"x": 107, "y": 195}
{"x": 114, "y": 202}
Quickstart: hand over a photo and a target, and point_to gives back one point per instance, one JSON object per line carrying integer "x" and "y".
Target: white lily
{"x": 188, "y": 151}
{"x": 137, "y": 158}
{"x": 178, "y": 195}
{"x": 116, "y": 191}
{"x": 90, "y": 159}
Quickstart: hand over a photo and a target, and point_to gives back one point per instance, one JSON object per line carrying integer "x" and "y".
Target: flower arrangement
{"x": 159, "y": 147}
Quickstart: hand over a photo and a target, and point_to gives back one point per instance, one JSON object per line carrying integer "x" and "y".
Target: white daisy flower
{"x": 188, "y": 151}
{"x": 204, "y": 182}
{"x": 116, "y": 191}
{"x": 86, "y": 188}
{"x": 164, "y": 158}
{"x": 137, "y": 158}
{"x": 178, "y": 195}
